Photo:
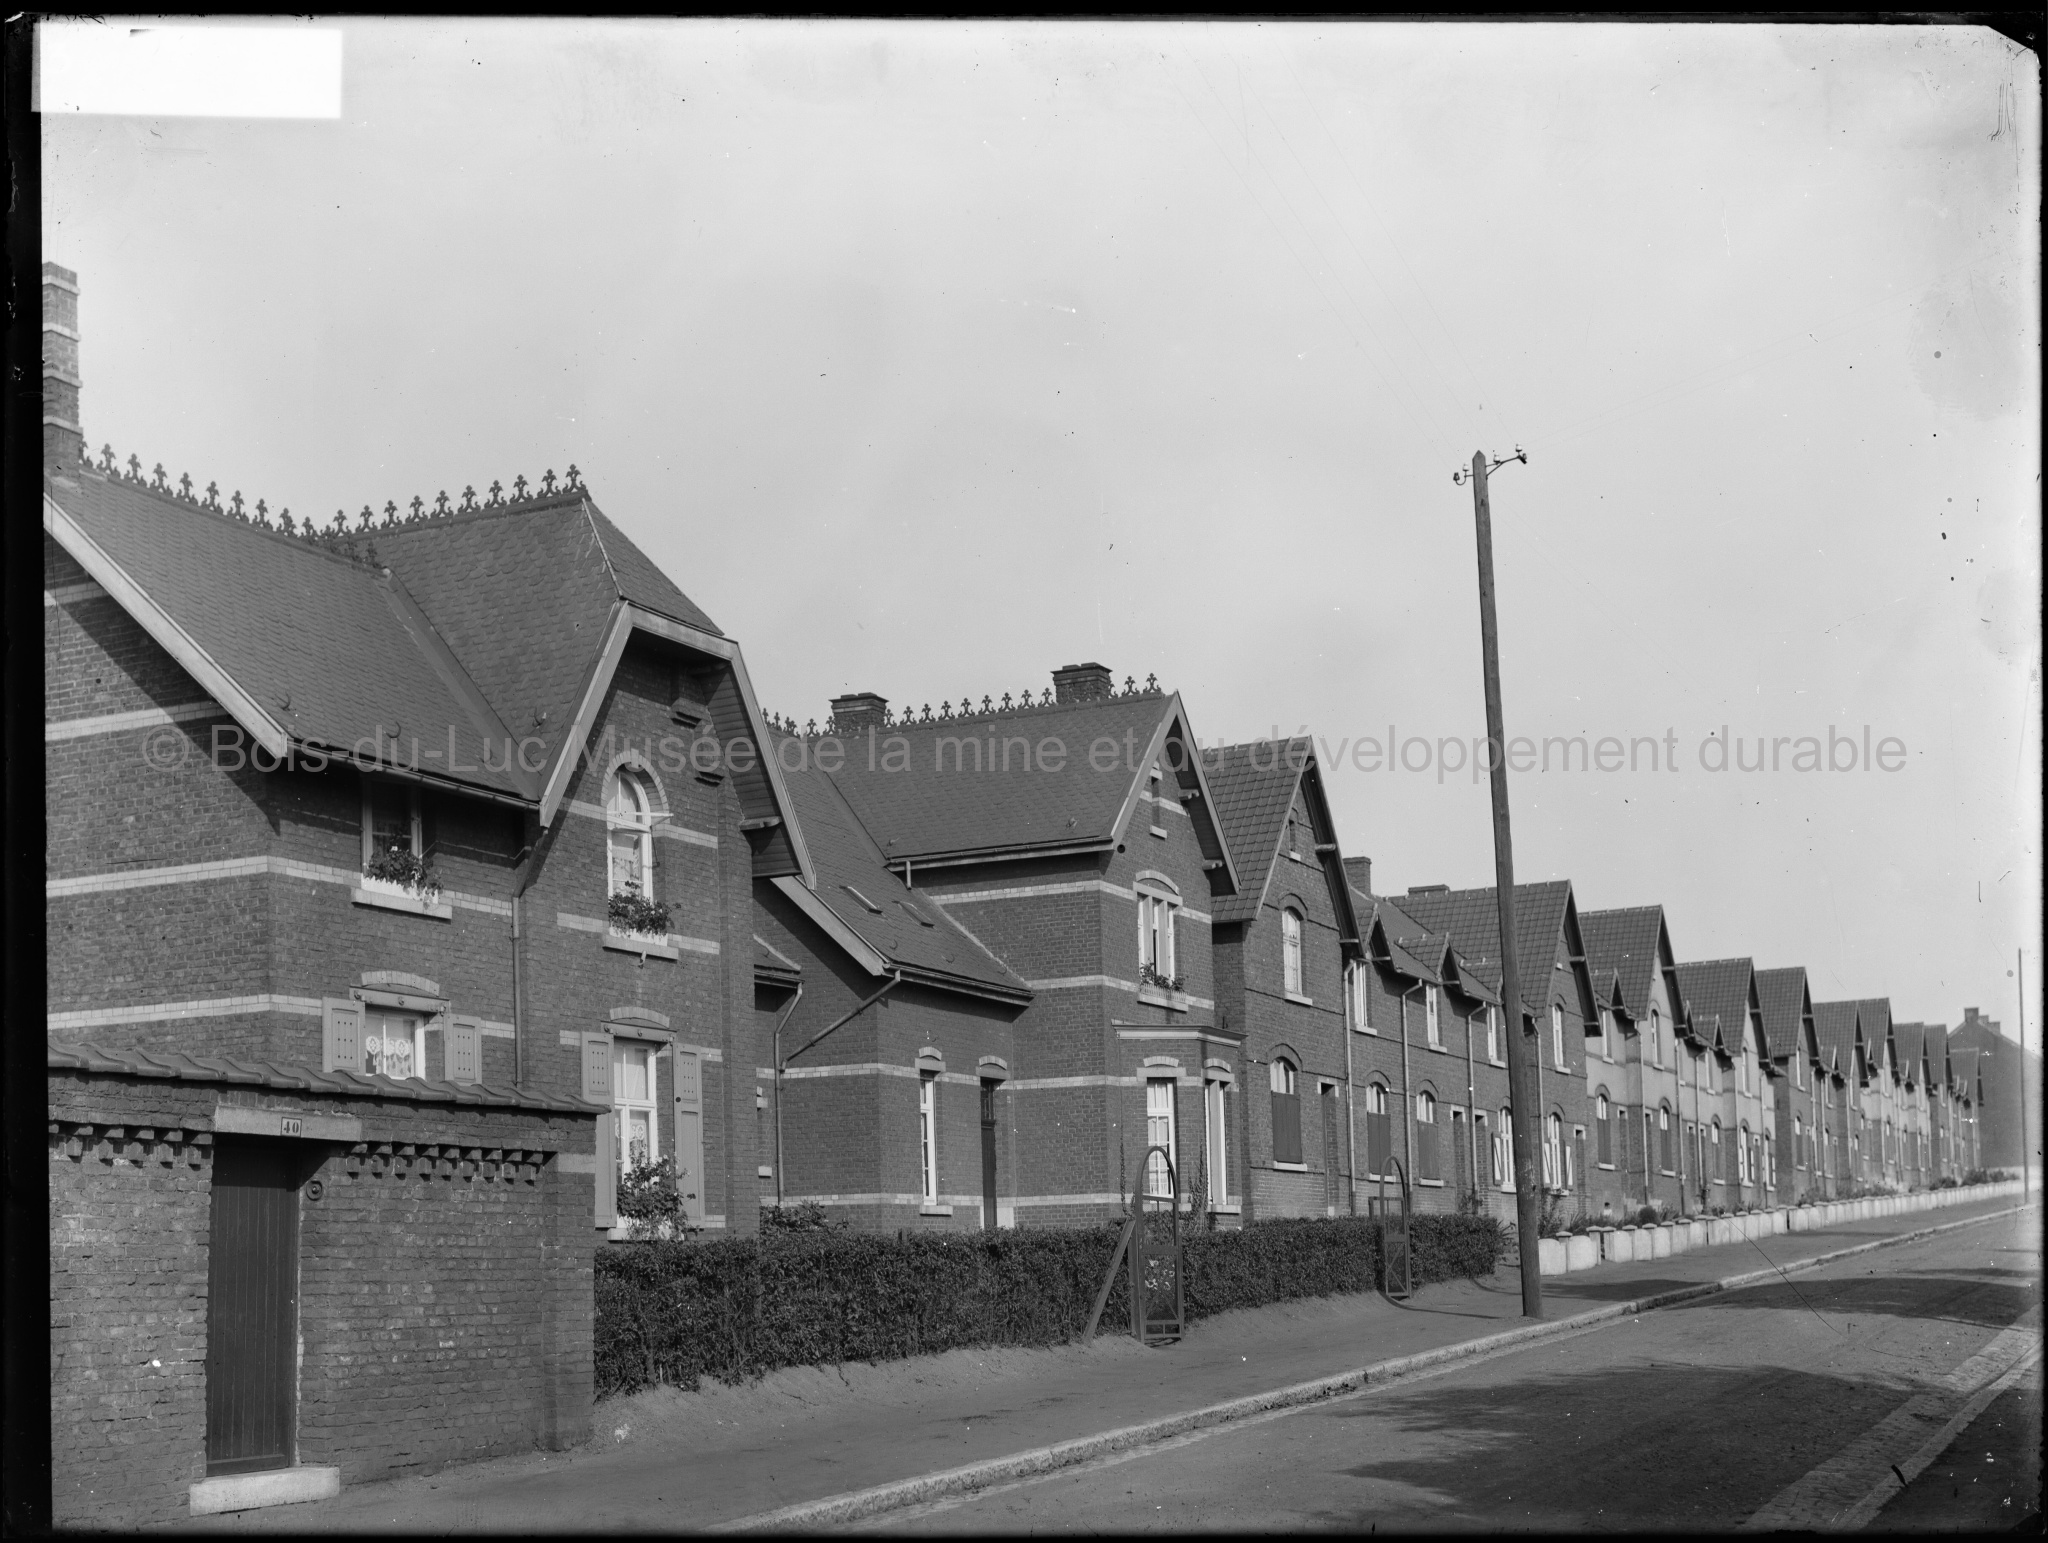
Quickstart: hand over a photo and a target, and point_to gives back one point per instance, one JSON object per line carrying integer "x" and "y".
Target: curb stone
{"x": 857, "y": 1505}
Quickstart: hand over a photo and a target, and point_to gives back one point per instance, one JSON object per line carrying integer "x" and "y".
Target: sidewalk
{"x": 667, "y": 1461}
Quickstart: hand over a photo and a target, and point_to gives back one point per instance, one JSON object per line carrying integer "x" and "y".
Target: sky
{"x": 929, "y": 357}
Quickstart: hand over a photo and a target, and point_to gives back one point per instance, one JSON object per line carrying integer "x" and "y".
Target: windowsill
{"x": 764, "y": 1173}
{"x": 646, "y": 945}
{"x": 398, "y": 900}
{"x": 1430, "y": 1183}
{"x": 1159, "y": 996}
{"x": 1439, "y": 1049}
{"x": 1290, "y": 1167}
{"x": 1605, "y": 1167}
{"x": 1225, "y": 1208}
{"x": 1296, "y": 996}
{"x": 1158, "y": 830}
{"x": 934, "y": 1210}
{"x": 1365, "y": 1028}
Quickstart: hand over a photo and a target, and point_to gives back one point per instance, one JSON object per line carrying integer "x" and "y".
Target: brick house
{"x": 398, "y": 898}
{"x": 1071, "y": 841}
{"x": 2009, "y": 1130}
{"x": 1966, "y": 1072}
{"x": 1634, "y": 1062}
{"x": 1879, "y": 1091}
{"x": 1286, "y": 947}
{"x": 1737, "y": 1100}
{"x": 1853, "y": 1052}
{"x": 1433, "y": 1070}
{"x": 1916, "y": 1169}
{"x": 1804, "y": 1145}
{"x": 1557, "y": 1007}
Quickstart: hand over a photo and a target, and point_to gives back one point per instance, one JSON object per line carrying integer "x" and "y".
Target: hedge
{"x": 735, "y": 1308}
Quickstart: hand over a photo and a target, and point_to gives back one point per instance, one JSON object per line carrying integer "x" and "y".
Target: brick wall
{"x": 444, "y": 1303}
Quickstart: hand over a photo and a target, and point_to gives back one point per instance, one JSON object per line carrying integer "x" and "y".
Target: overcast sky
{"x": 928, "y": 358}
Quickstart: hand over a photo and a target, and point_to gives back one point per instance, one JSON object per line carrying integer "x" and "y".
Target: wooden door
{"x": 988, "y": 1155}
{"x": 252, "y": 1310}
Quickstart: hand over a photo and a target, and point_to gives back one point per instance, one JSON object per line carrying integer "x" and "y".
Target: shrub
{"x": 805, "y": 1293}
{"x": 651, "y": 1204}
{"x": 1647, "y": 1216}
{"x": 809, "y": 1216}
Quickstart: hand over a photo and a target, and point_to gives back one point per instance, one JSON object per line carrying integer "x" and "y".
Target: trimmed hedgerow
{"x": 734, "y": 1308}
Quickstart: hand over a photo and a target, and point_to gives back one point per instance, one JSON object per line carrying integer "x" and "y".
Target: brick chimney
{"x": 1359, "y": 871}
{"x": 859, "y": 712}
{"x": 1083, "y": 683}
{"x": 63, "y": 440}
{"x": 1429, "y": 889}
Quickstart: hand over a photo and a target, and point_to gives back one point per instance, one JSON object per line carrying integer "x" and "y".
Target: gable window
{"x": 1606, "y": 1033}
{"x": 1557, "y": 1036}
{"x": 1159, "y": 1169}
{"x": 1433, "y": 1016}
{"x": 1357, "y": 989}
{"x": 1603, "y": 1131}
{"x": 634, "y": 1080}
{"x": 1290, "y": 951}
{"x": 1493, "y": 1037}
{"x": 1286, "y": 1111}
{"x": 1426, "y": 1166}
{"x": 394, "y": 1044}
{"x": 629, "y": 823}
{"x": 1656, "y": 1046}
{"x": 1157, "y": 965}
{"x": 928, "y": 1136}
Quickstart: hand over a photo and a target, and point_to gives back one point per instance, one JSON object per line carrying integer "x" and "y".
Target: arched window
{"x": 1426, "y": 1166}
{"x": 1664, "y": 1139}
{"x": 1158, "y": 952}
{"x": 1656, "y": 1045}
{"x": 1286, "y": 1111}
{"x": 1290, "y": 950}
{"x": 1504, "y": 1149}
{"x": 1603, "y": 1130}
{"x": 1379, "y": 1129}
{"x": 1553, "y": 1152}
{"x": 1744, "y": 1173}
{"x": 629, "y": 820}
{"x": 1557, "y": 1036}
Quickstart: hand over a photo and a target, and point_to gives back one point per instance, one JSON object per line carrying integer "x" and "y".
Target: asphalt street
{"x": 1774, "y": 1406}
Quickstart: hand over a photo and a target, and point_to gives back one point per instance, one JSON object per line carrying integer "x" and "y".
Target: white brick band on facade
{"x": 243, "y": 867}
{"x": 164, "y": 1012}
{"x": 121, "y": 723}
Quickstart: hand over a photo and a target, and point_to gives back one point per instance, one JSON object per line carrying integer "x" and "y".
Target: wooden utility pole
{"x": 1523, "y": 1116}
{"x": 2019, "y": 959}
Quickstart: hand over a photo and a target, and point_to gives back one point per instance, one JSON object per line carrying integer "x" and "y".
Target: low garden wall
{"x": 732, "y": 1309}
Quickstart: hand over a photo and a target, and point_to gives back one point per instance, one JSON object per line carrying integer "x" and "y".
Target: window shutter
{"x": 465, "y": 1044}
{"x": 607, "y": 1170}
{"x": 1379, "y": 1142}
{"x": 689, "y": 1090}
{"x": 597, "y": 1069}
{"x": 341, "y": 1035}
{"x": 1286, "y": 1127}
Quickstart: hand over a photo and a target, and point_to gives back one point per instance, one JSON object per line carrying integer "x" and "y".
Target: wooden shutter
{"x": 607, "y": 1170}
{"x": 689, "y": 1086}
{"x": 1286, "y": 1127}
{"x": 1604, "y": 1127}
{"x": 1379, "y": 1142}
{"x": 465, "y": 1042}
{"x": 597, "y": 1069}
{"x": 341, "y": 1024}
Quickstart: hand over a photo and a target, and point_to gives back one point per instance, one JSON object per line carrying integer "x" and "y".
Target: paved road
{"x": 1783, "y": 1403}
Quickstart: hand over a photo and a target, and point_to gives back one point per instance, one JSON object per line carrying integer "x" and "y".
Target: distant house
{"x": 1914, "y": 1105}
{"x": 1854, "y": 1040}
{"x": 1432, "y": 1061}
{"x": 1737, "y": 1103}
{"x": 1634, "y": 1062}
{"x": 1557, "y": 1009}
{"x": 1287, "y": 946}
{"x": 2010, "y": 1117}
{"x": 1804, "y": 1142}
{"x": 1881, "y": 1113}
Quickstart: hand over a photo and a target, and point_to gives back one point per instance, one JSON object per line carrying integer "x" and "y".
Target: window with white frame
{"x": 394, "y": 856}
{"x": 1217, "y": 1110}
{"x": 394, "y": 1043}
{"x": 1426, "y": 1164}
{"x": 629, "y": 823}
{"x": 1504, "y": 1149}
{"x": 1666, "y": 1158}
{"x": 1433, "y": 1015}
{"x": 1743, "y": 1172}
{"x": 1606, "y": 1033}
{"x": 1160, "y": 1168}
{"x": 1553, "y": 1152}
{"x": 928, "y": 1135}
{"x": 1557, "y": 1036}
{"x": 1286, "y": 1111}
{"x": 634, "y": 1080}
{"x": 1357, "y": 986}
{"x": 1603, "y": 1131}
{"x": 1157, "y": 950}
{"x": 1290, "y": 951}
{"x": 1656, "y": 1045}
{"x": 1379, "y": 1130}
{"x": 1493, "y": 1035}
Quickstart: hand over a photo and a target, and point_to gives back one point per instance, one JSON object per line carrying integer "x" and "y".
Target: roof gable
{"x": 1546, "y": 926}
{"x": 1254, "y": 804}
{"x": 1720, "y": 997}
{"x": 1628, "y": 947}
{"x": 1788, "y": 1010}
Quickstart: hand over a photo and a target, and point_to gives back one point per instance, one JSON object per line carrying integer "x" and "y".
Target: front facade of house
{"x": 438, "y": 834}
{"x": 1634, "y": 1061}
{"x": 1737, "y": 1104}
{"x": 1805, "y": 1150}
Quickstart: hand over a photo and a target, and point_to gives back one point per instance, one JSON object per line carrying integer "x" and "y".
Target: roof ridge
{"x": 968, "y": 712}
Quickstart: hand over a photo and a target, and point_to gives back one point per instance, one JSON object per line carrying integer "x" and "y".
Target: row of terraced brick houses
{"x": 418, "y": 879}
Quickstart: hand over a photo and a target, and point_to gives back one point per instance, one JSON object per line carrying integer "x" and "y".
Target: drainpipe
{"x": 527, "y": 871}
{"x": 888, "y": 986}
{"x": 1471, "y": 1111}
{"x": 1350, "y": 1108}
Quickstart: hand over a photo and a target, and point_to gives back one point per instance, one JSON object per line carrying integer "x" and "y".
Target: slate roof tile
{"x": 1717, "y": 994}
{"x": 1471, "y": 918}
{"x": 1621, "y": 945}
{"x": 1782, "y": 995}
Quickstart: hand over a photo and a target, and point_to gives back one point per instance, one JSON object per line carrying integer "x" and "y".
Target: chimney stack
{"x": 1429, "y": 889}
{"x": 63, "y": 440}
{"x": 858, "y": 712}
{"x": 1083, "y": 683}
{"x": 1359, "y": 871}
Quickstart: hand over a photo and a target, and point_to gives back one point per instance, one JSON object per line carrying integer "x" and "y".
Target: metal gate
{"x": 1158, "y": 1310}
{"x": 1396, "y": 1258}
{"x": 252, "y": 1308}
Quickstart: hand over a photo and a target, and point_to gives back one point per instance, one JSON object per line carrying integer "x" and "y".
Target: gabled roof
{"x": 1788, "y": 1010}
{"x": 1545, "y": 918}
{"x": 867, "y": 910}
{"x": 1874, "y": 1014}
{"x": 1910, "y": 1042}
{"x": 300, "y": 644}
{"x": 1840, "y": 1033}
{"x": 1252, "y": 802}
{"x": 1721, "y": 996}
{"x": 1624, "y": 950}
{"x": 1936, "y": 1038}
{"x": 988, "y": 803}
{"x": 1399, "y": 943}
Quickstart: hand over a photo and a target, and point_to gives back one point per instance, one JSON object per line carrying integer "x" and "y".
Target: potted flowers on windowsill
{"x": 396, "y": 870}
{"x": 631, "y": 914}
{"x": 1149, "y": 976}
